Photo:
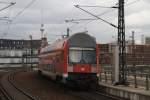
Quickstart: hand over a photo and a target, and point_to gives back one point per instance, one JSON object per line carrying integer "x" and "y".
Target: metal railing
{"x": 135, "y": 79}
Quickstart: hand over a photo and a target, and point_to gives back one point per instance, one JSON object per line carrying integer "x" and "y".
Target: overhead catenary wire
{"x": 6, "y": 18}
{"x": 104, "y": 13}
{"x": 99, "y": 15}
{"x": 133, "y": 2}
{"x": 14, "y": 18}
{"x": 26, "y": 7}
{"x": 110, "y": 10}
{"x": 77, "y": 6}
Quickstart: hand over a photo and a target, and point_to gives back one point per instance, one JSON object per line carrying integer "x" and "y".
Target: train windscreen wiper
{"x": 82, "y": 61}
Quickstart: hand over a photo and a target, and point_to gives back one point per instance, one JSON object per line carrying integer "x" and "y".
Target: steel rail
{"x": 5, "y": 94}
{"x": 11, "y": 81}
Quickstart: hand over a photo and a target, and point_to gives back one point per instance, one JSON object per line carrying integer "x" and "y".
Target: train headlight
{"x": 65, "y": 75}
{"x": 98, "y": 75}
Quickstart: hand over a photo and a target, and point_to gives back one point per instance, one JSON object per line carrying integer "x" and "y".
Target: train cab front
{"x": 82, "y": 67}
{"x": 82, "y": 59}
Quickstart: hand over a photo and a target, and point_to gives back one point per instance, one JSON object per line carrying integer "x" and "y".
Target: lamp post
{"x": 31, "y": 51}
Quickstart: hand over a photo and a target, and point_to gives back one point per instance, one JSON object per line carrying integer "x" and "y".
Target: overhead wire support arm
{"x": 5, "y": 18}
{"x": 97, "y": 6}
{"x": 11, "y": 4}
{"x": 74, "y": 20}
{"x": 5, "y": 2}
{"x": 77, "y": 6}
{"x": 26, "y": 7}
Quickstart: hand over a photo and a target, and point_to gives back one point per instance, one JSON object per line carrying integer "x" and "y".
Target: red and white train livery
{"x": 74, "y": 59}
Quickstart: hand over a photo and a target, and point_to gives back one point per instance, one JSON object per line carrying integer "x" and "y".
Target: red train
{"x": 73, "y": 60}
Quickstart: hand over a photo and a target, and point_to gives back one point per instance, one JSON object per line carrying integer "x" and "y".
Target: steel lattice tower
{"x": 121, "y": 43}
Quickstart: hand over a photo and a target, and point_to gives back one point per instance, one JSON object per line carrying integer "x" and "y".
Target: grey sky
{"x": 55, "y": 12}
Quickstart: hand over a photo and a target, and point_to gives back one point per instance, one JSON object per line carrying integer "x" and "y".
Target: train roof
{"x": 76, "y": 40}
{"x": 81, "y": 40}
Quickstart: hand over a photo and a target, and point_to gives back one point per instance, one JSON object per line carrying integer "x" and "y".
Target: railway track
{"x": 89, "y": 94}
{"x": 4, "y": 95}
{"x": 11, "y": 91}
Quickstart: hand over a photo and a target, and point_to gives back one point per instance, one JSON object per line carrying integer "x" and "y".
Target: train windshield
{"x": 82, "y": 55}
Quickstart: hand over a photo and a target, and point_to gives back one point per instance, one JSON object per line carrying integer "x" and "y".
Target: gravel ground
{"x": 42, "y": 88}
{"x": 2, "y": 73}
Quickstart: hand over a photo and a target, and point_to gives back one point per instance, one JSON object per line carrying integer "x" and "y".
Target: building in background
{"x": 142, "y": 39}
{"x": 147, "y": 40}
{"x": 138, "y": 55}
{"x": 18, "y": 52}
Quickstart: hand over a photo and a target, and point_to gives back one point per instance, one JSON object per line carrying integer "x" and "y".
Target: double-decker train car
{"x": 73, "y": 60}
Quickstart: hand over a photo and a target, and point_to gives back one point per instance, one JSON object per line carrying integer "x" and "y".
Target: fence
{"x": 138, "y": 80}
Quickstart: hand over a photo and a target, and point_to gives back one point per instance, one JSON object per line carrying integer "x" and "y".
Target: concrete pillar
{"x": 115, "y": 65}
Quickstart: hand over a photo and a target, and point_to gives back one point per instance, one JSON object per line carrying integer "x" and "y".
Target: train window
{"x": 75, "y": 56}
{"x": 82, "y": 56}
{"x": 89, "y": 56}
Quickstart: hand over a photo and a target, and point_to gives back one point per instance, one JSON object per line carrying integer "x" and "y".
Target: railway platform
{"x": 128, "y": 92}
